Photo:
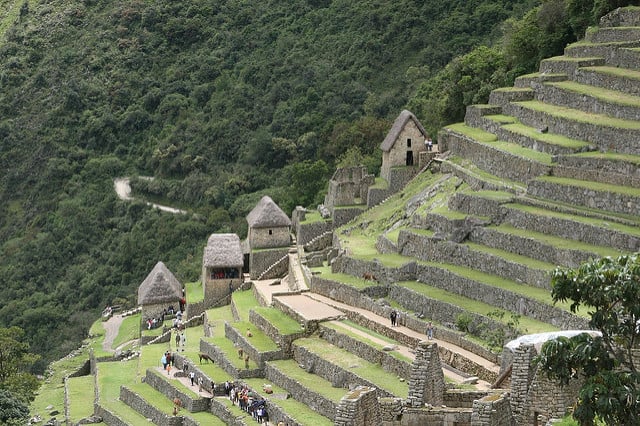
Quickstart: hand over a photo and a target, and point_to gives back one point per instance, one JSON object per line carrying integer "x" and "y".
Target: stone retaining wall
{"x": 500, "y": 298}
{"x": 457, "y": 398}
{"x": 109, "y": 418}
{"x": 220, "y": 410}
{"x": 283, "y": 341}
{"x": 426, "y": 248}
{"x": 342, "y": 215}
{"x": 220, "y": 358}
{"x": 261, "y": 260}
{"x": 189, "y": 402}
{"x": 338, "y": 376}
{"x": 575, "y": 168}
{"x": 609, "y": 138}
{"x": 377, "y": 196}
{"x": 359, "y": 408}
{"x": 367, "y": 352}
{"x": 492, "y": 411}
{"x": 494, "y": 160}
{"x": 594, "y": 199}
{"x": 140, "y": 405}
{"x": 306, "y": 232}
{"x": 584, "y": 102}
{"x": 608, "y": 81}
{"x": 257, "y": 356}
{"x": 303, "y": 394}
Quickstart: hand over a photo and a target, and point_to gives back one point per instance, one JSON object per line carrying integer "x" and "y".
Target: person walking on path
{"x": 192, "y": 377}
{"x": 392, "y": 316}
{"x": 430, "y": 330}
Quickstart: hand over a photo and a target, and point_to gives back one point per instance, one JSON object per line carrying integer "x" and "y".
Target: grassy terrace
{"x": 615, "y": 71}
{"x": 512, "y": 257}
{"x": 291, "y": 369}
{"x": 110, "y": 376}
{"x": 609, "y": 156}
{"x": 591, "y": 185}
{"x": 244, "y": 301}
{"x": 355, "y": 282}
{"x": 366, "y": 336}
{"x": 558, "y": 242}
{"x": 81, "y": 393}
{"x": 259, "y": 340}
{"x": 548, "y": 138}
{"x": 606, "y": 95}
{"x": 281, "y": 321}
{"x": 533, "y": 293}
{"x": 473, "y": 170}
{"x": 580, "y": 116}
{"x": 301, "y": 413}
{"x": 500, "y": 196}
{"x": 226, "y": 346}
{"x": 530, "y": 325}
{"x": 349, "y": 362}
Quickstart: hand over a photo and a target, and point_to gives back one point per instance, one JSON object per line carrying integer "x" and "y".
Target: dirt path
{"x": 123, "y": 190}
{"x": 111, "y": 327}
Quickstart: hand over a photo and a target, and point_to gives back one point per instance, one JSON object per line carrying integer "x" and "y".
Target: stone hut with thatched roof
{"x": 160, "y": 290}
{"x": 268, "y": 239}
{"x": 222, "y": 263}
{"x": 401, "y": 149}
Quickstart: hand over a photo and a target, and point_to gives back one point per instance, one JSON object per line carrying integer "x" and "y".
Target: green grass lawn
{"x": 81, "y": 395}
{"x": 281, "y": 321}
{"x": 581, "y": 116}
{"x": 129, "y": 330}
{"x": 244, "y": 301}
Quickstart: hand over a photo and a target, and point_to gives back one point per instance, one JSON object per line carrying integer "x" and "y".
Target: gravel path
{"x": 111, "y": 327}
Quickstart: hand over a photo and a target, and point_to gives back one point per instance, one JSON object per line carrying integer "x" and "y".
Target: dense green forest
{"x": 222, "y": 102}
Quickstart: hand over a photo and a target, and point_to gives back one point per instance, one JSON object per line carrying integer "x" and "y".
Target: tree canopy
{"x": 608, "y": 364}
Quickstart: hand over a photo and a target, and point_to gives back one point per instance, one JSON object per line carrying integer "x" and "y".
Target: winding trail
{"x": 123, "y": 190}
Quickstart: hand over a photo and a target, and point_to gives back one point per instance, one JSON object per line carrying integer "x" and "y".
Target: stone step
{"x": 510, "y": 94}
{"x": 524, "y": 81}
{"x": 492, "y": 260}
{"x": 614, "y": 169}
{"x": 554, "y": 68}
{"x": 477, "y": 178}
{"x": 590, "y": 99}
{"x": 552, "y": 219}
{"x": 344, "y": 369}
{"x": 536, "y": 245}
{"x": 535, "y": 139}
{"x": 500, "y": 292}
{"x": 611, "y": 78}
{"x": 491, "y": 155}
{"x": 607, "y": 133}
{"x": 611, "y": 52}
{"x": 305, "y": 386}
{"x": 611, "y": 34}
{"x": 593, "y": 195}
{"x": 621, "y": 17}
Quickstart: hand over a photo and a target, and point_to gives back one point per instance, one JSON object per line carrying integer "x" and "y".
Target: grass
{"x": 592, "y": 185}
{"x": 194, "y": 292}
{"x": 259, "y": 340}
{"x": 529, "y": 324}
{"x": 473, "y": 132}
{"x": 370, "y": 338}
{"x": 364, "y": 369}
{"x": 244, "y": 301}
{"x": 513, "y": 257}
{"x": 615, "y": 71}
{"x": 129, "y": 330}
{"x": 581, "y": 116}
{"x": 311, "y": 381}
{"x": 81, "y": 394}
{"x": 612, "y": 96}
{"x": 610, "y": 156}
{"x": 312, "y": 216}
{"x": 355, "y": 282}
{"x": 549, "y": 138}
{"x": 301, "y": 413}
{"x": 281, "y": 321}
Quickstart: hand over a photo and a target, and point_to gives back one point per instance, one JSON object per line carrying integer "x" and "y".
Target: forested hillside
{"x": 221, "y": 101}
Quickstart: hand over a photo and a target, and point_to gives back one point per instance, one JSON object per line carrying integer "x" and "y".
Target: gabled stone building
{"x": 159, "y": 290}
{"x": 402, "y": 148}
{"x": 268, "y": 238}
{"x": 222, "y": 263}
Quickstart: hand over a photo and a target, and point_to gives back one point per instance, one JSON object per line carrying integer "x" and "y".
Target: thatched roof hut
{"x": 398, "y": 127}
{"x": 267, "y": 214}
{"x": 223, "y": 251}
{"x": 160, "y": 286}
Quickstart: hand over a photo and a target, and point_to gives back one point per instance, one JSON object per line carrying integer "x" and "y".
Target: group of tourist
{"x": 247, "y": 401}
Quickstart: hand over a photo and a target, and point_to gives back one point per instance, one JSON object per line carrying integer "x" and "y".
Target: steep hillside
{"x": 224, "y": 99}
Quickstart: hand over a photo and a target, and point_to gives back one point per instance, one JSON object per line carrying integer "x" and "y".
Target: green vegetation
{"x": 580, "y": 116}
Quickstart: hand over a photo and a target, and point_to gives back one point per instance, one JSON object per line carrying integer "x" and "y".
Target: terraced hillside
{"x": 545, "y": 175}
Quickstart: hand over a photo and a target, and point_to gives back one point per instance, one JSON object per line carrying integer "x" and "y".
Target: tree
{"x": 15, "y": 362}
{"x": 608, "y": 363}
{"x": 12, "y": 410}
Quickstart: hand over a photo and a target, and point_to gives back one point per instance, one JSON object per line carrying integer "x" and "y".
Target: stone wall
{"x": 459, "y": 398}
{"x": 338, "y": 376}
{"x": 498, "y": 297}
{"x": 603, "y": 200}
{"x": 586, "y": 169}
{"x": 358, "y": 408}
{"x": 263, "y": 238}
{"x": 430, "y": 249}
{"x": 367, "y": 352}
{"x": 426, "y": 384}
{"x": 189, "y": 401}
{"x": 109, "y": 418}
{"x": 216, "y": 292}
{"x": 493, "y": 410}
{"x": 140, "y": 405}
{"x": 348, "y": 186}
{"x": 309, "y": 397}
{"x": 397, "y": 154}
{"x": 342, "y": 215}
{"x": 306, "y": 232}
{"x": 261, "y": 260}
{"x": 494, "y": 160}
{"x": 220, "y": 410}
{"x": 257, "y": 356}
{"x": 283, "y": 341}
{"x": 377, "y": 196}
{"x": 220, "y": 358}
{"x": 400, "y": 176}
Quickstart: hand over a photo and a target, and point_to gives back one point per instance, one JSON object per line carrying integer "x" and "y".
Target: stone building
{"x": 222, "y": 263}
{"x": 268, "y": 239}
{"x": 402, "y": 147}
{"x": 348, "y": 193}
{"x": 159, "y": 290}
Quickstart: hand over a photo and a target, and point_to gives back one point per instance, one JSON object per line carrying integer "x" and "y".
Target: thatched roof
{"x": 222, "y": 251}
{"x": 397, "y": 127}
{"x": 267, "y": 214}
{"x": 160, "y": 286}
